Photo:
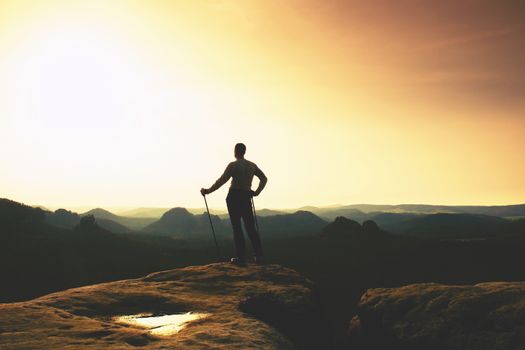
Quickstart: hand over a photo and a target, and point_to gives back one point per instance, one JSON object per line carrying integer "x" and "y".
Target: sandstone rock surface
{"x": 84, "y": 318}
{"x": 433, "y": 316}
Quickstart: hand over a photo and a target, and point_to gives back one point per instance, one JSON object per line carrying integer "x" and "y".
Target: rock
{"x": 343, "y": 228}
{"x": 230, "y": 296}
{"x": 371, "y": 227}
{"x": 87, "y": 221}
{"x": 63, "y": 218}
{"x": 433, "y": 316}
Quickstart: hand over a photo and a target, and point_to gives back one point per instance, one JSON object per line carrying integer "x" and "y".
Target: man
{"x": 239, "y": 202}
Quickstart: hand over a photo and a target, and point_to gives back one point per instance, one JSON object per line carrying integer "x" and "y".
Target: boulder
{"x": 487, "y": 316}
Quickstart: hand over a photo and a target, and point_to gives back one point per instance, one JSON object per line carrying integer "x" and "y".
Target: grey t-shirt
{"x": 242, "y": 172}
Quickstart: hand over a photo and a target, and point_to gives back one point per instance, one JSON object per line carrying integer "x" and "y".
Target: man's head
{"x": 240, "y": 150}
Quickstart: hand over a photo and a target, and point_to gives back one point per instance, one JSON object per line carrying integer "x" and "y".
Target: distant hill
{"x": 342, "y": 227}
{"x": 260, "y": 212}
{"x": 20, "y": 219}
{"x": 113, "y": 226}
{"x": 310, "y": 208}
{"x": 446, "y": 225}
{"x": 403, "y": 208}
{"x": 131, "y": 223}
{"x": 393, "y": 222}
{"x": 213, "y": 211}
{"x": 38, "y": 257}
{"x": 360, "y": 211}
{"x": 179, "y": 222}
{"x": 67, "y": 219}
{"x": 102, "y": 214}
{"x": 363, "y": 212}
{"x": 155, "y": 213}
{"x": 449, "y": 226}
{"x": 352, "y": 213}
{"x": 41, "y": 207}
{"x": 269, "y": 212}
{"x": 301, "y": 222}
{"x": 62, "y": 218}
{"x": 494, "y": 210}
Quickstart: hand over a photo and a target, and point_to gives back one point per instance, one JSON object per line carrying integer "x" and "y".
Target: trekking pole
{"x": 212, "y": 229}
{"x": 255, "y": 215}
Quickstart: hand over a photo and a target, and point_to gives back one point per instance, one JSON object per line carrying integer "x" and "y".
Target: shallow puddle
{"x": 161, "y": 325}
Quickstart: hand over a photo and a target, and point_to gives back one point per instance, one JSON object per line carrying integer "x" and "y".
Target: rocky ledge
{"x": 257, "y": 307}
{"x": 433, "y": 316}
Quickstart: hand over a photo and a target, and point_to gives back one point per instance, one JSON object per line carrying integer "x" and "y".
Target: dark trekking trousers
{"x": 240, "y": 206}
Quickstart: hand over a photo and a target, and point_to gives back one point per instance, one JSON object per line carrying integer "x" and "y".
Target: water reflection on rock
{"x": 163, "y": 324}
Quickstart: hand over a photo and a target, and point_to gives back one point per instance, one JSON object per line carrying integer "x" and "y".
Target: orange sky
{"x": 139, "y": 103}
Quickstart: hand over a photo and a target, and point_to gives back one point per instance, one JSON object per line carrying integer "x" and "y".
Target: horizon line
{"x": 115, "y": 208}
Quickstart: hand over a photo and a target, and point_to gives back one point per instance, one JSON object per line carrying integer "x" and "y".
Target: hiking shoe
{"x": 259, "y": 260}
{"x": 238, "y": 261}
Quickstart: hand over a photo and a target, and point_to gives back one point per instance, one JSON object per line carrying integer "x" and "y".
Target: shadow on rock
{"x": 299, "y": 319}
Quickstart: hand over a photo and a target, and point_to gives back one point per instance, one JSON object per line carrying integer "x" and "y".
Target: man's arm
{"x": 262, "y": 181}
{"x": 220, "y": 181}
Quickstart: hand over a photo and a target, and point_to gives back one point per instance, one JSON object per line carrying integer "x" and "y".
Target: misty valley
{"x": 344, "y": 251}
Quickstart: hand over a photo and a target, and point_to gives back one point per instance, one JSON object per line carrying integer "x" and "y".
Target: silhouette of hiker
{"x": 239, "y": 202}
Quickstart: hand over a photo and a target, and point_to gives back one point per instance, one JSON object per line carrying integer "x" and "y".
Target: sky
{"x": 127, "y": 103}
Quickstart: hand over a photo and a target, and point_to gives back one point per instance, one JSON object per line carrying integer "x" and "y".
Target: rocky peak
{"x": 255, "y": 307}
